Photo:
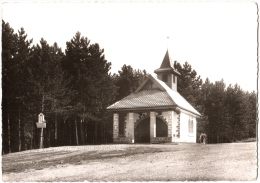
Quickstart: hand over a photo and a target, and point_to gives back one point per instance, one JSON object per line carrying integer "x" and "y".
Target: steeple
{"x": 166, "y": 63}
{"x": 167, "y": 73}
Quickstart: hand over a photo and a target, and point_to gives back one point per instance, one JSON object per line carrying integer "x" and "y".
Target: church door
{"x": 142, "y": 131}
{"x": 161, "y": 128}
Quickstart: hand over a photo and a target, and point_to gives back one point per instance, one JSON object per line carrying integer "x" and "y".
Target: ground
{"x": 136, "y": 162}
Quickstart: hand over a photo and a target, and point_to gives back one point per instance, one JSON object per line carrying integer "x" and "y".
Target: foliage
{"x": 93, "y": 85}
{"x": 127, "y": 80}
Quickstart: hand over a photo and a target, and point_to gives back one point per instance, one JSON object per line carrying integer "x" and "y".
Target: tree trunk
{"x": 86, "y": 132}
{"x": 105, "y": 135}
{"x": 76, "y": 130}
{"x": 19, "y": 128}
{"x": 32, "y": 135}
{"x": 212, "y": 138}
{"x": 55, "y": 130}
{"x": 233, "y": 133}
{"x": 22, "y": 137}
{"x": 32, "y": 139}
{"x": 49, "y": 135}
{"x": 70, "y": 141}
{"x": 62, "y": 134}
{"x": 82, "y": 132}
{"x": 9, "y": 135}
{"x": 95, "y": 132}
{"x": 35, "y": 137}
{"x": 102, "y": 134}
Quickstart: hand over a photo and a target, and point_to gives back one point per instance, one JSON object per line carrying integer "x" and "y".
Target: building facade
{"x": 155, "y": 112}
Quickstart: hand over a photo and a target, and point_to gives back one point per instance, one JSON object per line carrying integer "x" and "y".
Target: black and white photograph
{"x": 136, "y": 91}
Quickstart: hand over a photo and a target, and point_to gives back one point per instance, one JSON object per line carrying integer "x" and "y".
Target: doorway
{"x": 142, "y": 131}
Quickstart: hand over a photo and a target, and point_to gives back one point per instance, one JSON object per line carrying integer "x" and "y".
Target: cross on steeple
{"x": 167, "y": 42}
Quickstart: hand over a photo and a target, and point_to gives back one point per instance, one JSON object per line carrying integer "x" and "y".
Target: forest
{"x": 72, "y": 88}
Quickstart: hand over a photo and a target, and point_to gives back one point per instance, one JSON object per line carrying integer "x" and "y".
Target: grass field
{"x": 137, "y": 162}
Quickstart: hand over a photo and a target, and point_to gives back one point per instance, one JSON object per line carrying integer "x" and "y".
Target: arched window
{"x": 190, "y": 126}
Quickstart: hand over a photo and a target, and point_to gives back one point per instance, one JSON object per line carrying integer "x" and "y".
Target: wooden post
{"x": 41, "y": 139}
{"x": 76, "y": 130}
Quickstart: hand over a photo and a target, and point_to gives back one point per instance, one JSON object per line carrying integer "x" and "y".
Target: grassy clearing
{"x": 19, "y": 162}
{"x": 137, "y": 162}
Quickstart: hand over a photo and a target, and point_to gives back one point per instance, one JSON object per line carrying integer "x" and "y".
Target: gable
{"x": 150, "y": 83}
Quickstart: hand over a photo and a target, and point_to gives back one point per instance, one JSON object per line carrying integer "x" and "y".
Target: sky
{"x": 217, "y": 38}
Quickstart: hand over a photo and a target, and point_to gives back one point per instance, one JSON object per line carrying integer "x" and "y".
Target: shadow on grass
{"x": 34, "y": 162}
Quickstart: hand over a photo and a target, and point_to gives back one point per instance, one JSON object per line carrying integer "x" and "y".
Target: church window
{"x": 190, "y": 126}
{"x": 164, "y": 77}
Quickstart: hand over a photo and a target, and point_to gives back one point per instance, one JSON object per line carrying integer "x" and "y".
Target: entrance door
{"x": 161, "y": 128}
{"x": 142, "y": 131}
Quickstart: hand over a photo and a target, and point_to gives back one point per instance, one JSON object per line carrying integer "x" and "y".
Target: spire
{"x": 167, "y": 65}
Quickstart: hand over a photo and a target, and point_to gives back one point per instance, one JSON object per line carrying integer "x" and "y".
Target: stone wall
{"x": 155, "y": 140}
{"x": 122, "y": 140}
{"x": 178, "y": 126}
{"x": 115, "y": 125}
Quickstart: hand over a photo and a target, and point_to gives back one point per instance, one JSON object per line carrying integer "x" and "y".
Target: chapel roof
{"x": 161, "y": 96}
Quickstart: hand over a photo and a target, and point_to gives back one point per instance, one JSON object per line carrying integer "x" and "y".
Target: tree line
{"x": 228, "y": 113}
{"x": 73, "y": 88}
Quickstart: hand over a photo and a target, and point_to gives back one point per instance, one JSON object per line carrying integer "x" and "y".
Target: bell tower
{"x": 167, "y": 73}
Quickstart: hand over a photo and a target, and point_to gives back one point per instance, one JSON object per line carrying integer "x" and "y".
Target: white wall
{"x": 185, "y": 136}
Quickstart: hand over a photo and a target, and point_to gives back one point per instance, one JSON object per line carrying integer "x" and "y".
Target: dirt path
{"x": 138, "y": 162}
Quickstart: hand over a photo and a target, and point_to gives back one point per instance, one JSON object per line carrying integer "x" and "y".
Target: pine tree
{"x": 86, "y": 65}
{"x": 9, "y": 39}
{"x": 238, "y": 112}
{"x": 21, "y": 60}
{"x": 128, "y": 80}
{"x": 189, "y": 84}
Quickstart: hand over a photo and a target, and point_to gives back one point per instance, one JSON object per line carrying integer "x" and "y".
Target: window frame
{"x": 191, "y": 127}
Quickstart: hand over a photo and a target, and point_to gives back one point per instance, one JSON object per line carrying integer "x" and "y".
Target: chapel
{"x": 155, "y": 112}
